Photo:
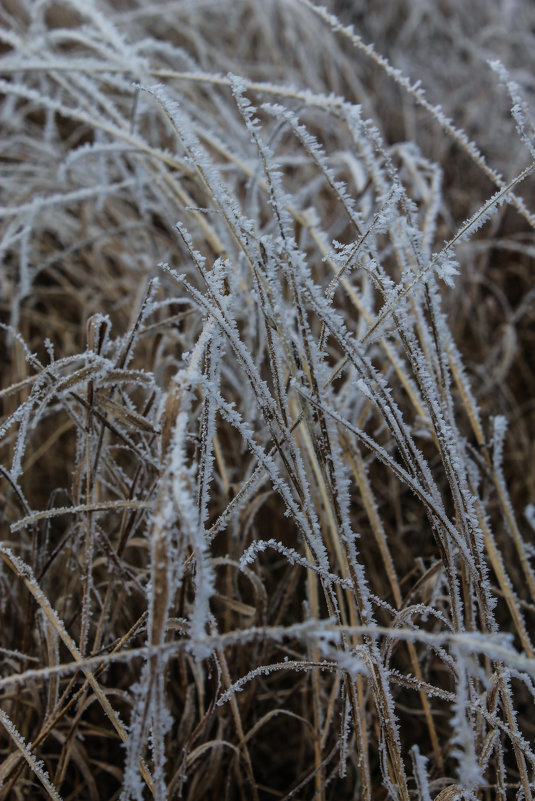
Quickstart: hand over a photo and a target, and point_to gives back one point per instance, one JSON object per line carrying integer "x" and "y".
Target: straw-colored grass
{"x": 267, "y": 463}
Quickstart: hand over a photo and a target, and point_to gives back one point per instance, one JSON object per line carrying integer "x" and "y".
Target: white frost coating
{"x": 519, "y": 110}
{"x": 37, "y": 766}
{"x": 446, "y": 269}
{"x": 464, "y": 737}
{"x": 500, "y": 430}
{"x": 301, "y": 370}
{"x": 293, "y": 557}
{"x": 529, "y": 514}
{"x": 181, "y": 479}
{"x": 190, "y": 522}
{"x": 266, "y": 670}
{"x": 420, "y": 774}
{"x": 176, "y": 505}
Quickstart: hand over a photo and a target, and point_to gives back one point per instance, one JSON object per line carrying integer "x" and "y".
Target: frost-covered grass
{"x": 267, "y": 469}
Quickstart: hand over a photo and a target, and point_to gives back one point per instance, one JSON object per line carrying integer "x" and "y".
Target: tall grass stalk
{"x": 267, "y": 413}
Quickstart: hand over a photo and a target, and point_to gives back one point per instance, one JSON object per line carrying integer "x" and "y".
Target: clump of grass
{"x": 267, "y": 423}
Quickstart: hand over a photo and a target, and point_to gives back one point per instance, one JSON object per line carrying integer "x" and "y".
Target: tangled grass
{"x": 267, "y": 462}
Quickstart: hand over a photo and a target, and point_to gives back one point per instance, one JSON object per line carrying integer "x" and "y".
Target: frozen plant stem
{"x": 266, "y": 424}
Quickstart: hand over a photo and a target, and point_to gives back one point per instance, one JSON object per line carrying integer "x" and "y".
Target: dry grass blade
{"x": 267, "y": 479}
{"x": 24, "y": 573}
{"x": 34, "y": 764}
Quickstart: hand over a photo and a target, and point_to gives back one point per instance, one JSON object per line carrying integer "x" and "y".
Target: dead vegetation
{"x": 267, "y": 425}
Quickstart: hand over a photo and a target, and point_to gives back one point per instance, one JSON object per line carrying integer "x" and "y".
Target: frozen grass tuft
{"x": 267, "y": 482}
